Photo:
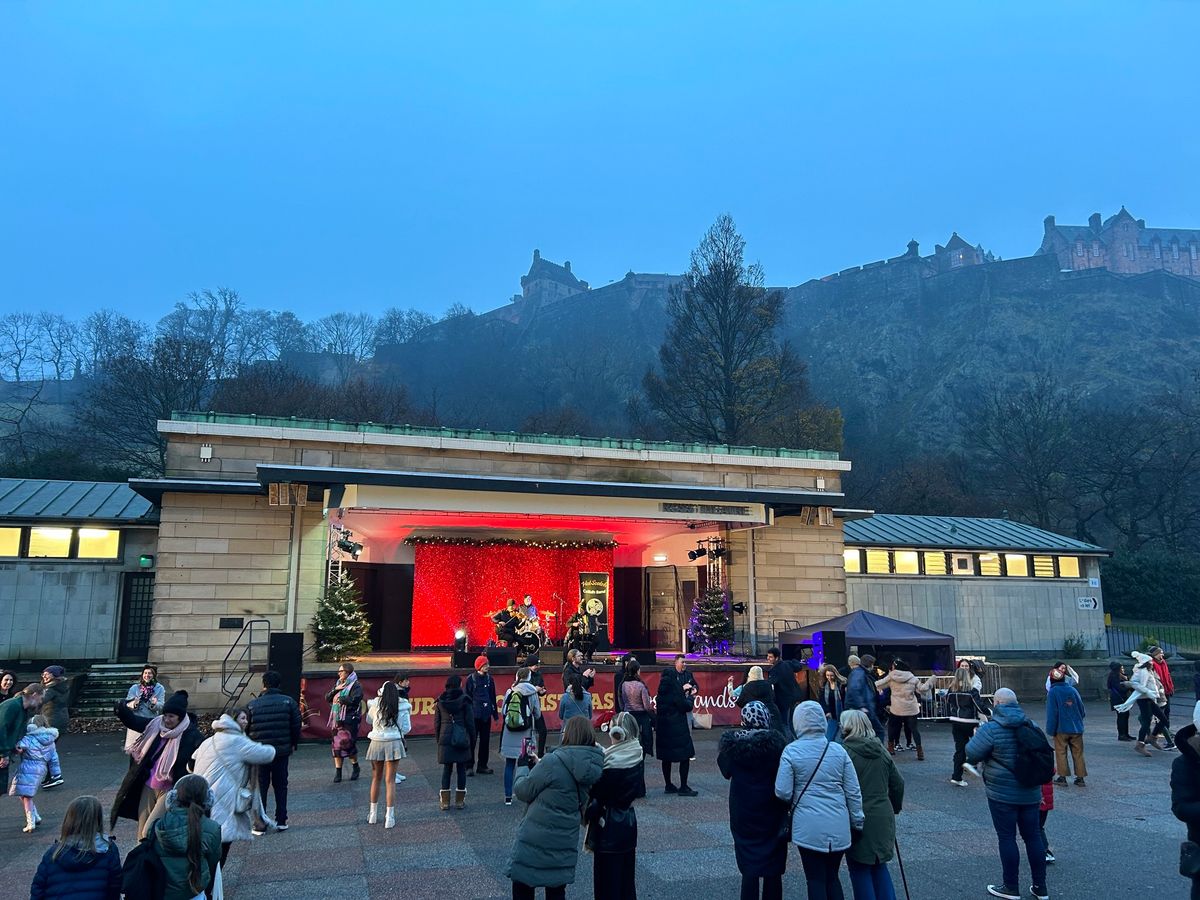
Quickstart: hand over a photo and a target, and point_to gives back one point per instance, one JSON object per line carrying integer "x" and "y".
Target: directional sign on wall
{"x": 1088, "y": 603}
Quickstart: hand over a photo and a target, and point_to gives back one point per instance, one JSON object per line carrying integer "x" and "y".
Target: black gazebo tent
{"x": 883, "y": 638}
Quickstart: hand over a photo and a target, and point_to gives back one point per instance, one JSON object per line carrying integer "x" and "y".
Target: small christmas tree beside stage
{"x": 711, "y": 629}
{"x": 340, "y": 626}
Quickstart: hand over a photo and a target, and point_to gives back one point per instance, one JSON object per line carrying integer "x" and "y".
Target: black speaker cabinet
{"x": 501, "y": 656}
{"x": 284, "y": 655}
{"x": 550, "y": 656}
{"x": 462, "y": 659}
{"x": 645, "y": 657}
{"x": 833, "y": 647}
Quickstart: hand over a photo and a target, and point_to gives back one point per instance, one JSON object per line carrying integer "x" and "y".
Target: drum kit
{"x": 515, "y": 628}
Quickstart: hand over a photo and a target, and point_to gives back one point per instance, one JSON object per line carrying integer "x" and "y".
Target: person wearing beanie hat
{"x": 521, "y": 702}
{"x": 1149, "y": 697}
{"x": 1118, "y": 693}
{"x": 481, "y": 689}
{"x": 56, "y": 694}
{"x": 748, "y": 757}
{"x": 161, "y": 755}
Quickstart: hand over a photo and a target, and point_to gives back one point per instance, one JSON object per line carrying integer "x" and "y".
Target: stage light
{"x": 460, "y": 641}
{"x": 354, "y": 548}
{"x": 739, "y": 608}
{"x": 718, "y": 552}
{"x": 700, "y": 551}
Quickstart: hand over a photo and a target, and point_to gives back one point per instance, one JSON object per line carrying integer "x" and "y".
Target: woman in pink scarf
{"x": 345, "y": 715}
{"x": 157, "y": 759}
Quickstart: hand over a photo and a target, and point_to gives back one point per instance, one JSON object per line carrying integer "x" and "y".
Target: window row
{"x": 880, "y": 561}
{"x": 38, "y": 542}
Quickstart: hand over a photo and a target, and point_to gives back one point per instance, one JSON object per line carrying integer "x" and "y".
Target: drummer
{"x": 528, "y": 609}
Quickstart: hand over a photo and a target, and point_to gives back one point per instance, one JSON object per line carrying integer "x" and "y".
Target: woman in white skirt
{"x": 386, "y": 748}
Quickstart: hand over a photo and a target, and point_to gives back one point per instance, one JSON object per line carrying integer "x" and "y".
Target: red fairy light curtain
{"x": 465, "y": 580}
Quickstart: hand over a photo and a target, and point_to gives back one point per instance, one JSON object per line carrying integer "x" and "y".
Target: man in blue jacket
{"x": 481, "y": 688}
{"x": 861, "y": 693}
{"x": 1014, "y": 806}
{"x": 275, "y": 720}
{"x": 1064, "y": 723}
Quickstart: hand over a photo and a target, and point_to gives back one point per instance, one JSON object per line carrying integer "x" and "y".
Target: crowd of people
{"x": 812, "y": 764}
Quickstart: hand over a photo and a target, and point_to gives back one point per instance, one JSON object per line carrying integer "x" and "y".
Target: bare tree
{"x": 213, "y": 317}
{"x": 349, "y": 336}
{"x": 121, "y": 409}
{"x": 400, "y": 326}
{"x": 106, "y": 335}
{"x": 722, "y": 371}
{"x": 1023, "y": 437}
{"x": 59, "y": 344}
{"x": 19, "y": 350}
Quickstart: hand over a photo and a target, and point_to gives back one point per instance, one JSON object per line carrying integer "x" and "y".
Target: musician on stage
{"x": 506, "y": 621}
{"x": 528, "y": 609}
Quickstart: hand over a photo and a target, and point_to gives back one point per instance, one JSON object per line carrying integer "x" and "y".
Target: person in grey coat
{"x": 1014, "y": 806}
{"x": 511, "y": 740}
{"x": 556, "y": 790}
{"x": 817, "y": 780}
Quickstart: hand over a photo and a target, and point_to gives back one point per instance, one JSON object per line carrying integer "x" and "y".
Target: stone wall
{"x": 225, "y": 556}
{"x": 66, "y": 610}
{"x": 799, "y": 575}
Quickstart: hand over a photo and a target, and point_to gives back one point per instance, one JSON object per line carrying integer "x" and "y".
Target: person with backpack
{"x": 481, "y": 688}
{"x": 520, "y": 709}
{"x": 453, "y": 724}
{"x": 1017, "y": 760}
{"x": 84, "y": 864}
{"x": 1064, "y": 722}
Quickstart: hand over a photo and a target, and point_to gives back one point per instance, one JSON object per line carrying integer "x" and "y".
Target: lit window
{"x": 52, "y": 543}
{"x": 10, "y": 541}
{"x": 98, "y": 543}
{"x": 1017, "y": 565}
{"x": 877, "y": 562}
{"x": 1043, "y": 567}
{"x": 853, "y": 560}
{"x": 989, "y": 564}
{"x": 906, "y": 562}
{"x": 1068, "y": 567}
{"x": 935, "y": 563}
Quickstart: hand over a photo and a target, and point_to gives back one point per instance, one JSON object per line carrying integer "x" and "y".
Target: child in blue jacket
{"x": 38, "y": 755}
{"x": 1064, "y": 722}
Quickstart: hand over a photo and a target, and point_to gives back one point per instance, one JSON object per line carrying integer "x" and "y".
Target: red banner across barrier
{"x": 715, "y": 697}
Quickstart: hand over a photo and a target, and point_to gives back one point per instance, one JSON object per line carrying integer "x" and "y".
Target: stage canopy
{"x": 885, "y": 638}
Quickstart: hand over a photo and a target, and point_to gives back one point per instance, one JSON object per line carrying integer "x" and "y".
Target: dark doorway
{"x": 137, "y": 608}
{"x": 629, "y": 613}
{"x": 387, "y": 596}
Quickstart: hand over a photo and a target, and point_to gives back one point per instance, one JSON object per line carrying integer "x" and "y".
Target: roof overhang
{"x": 154, "y": 488}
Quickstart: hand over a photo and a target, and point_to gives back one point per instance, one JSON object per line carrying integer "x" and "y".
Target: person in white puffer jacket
{"x": 1149, "y": 697}
{"x": 226, "y": 761}
{"x": 905, "y": 706}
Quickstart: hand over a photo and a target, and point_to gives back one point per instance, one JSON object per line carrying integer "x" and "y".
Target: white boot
{"x": 37, "y": 817}
{"x": 373, "y": 815}
{"x": 389, "y": 820}
{"x": 30, "y": 822}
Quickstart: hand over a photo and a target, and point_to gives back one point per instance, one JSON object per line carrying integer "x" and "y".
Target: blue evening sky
{"x": 324, "y": 156}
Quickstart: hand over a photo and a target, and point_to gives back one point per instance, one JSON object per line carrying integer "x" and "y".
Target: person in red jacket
{"x": 1163, "y": 671}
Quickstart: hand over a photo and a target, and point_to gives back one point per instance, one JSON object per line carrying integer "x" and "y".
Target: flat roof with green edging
{"x": 334, "y": 425}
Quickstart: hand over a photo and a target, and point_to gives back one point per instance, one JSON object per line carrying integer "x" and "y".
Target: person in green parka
{"x": 882, "y": 797}
{"x": 14, "y": 716}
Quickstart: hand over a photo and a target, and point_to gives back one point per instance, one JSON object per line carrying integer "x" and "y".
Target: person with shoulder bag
{"x": 818, "y": 781}
{"x": 611, "y": 821}
{"x": 453, "y": 729}
{"x": 228, "y": 761}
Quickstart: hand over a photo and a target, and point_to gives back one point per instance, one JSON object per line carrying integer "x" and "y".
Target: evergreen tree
{"x": 340, "y": 626}
{"x": 711, "y": 628}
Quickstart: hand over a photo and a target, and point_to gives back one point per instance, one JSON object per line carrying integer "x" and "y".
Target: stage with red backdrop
{"x": 715, "y": 697}
{"x": 461, "y": 581}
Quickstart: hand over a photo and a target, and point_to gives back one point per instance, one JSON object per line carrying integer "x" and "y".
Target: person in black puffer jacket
{"x": 749, "y": 758}
{"x": 275, "y": 720}
{"x": 674, "y": 731}
{"x": 453, "y": 708}
{"x": 612, "y": 823}
{"x": 1185, "y": 785}
{"x": 83, "y": 864}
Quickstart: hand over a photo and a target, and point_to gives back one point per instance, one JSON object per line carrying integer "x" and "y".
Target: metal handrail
{"x": 243, "y": 666}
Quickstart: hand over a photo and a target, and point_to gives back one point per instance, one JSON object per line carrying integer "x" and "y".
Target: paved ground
{"x": 1114, "y": 838}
